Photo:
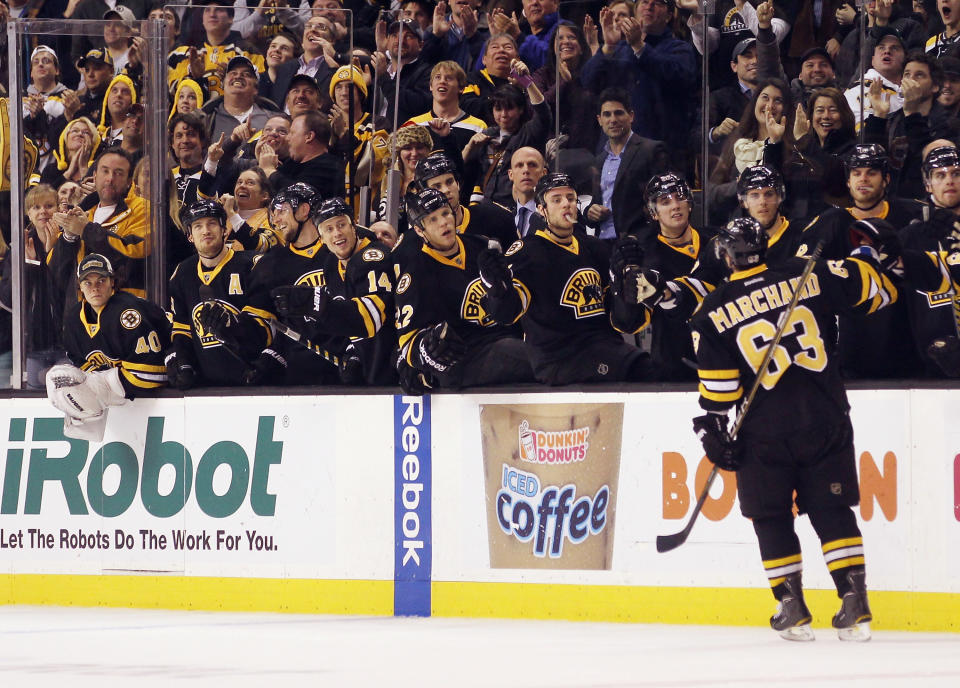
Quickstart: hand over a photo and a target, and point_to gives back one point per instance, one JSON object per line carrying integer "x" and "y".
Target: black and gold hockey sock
{"x": 842, "y": 544}
{"x": 779, "y": 549}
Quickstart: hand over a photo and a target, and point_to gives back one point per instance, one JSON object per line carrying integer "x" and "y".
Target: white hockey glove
{"x": 81, "y": 395}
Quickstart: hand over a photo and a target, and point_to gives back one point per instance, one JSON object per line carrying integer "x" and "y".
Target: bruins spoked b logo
{"x": 583, "y": 293}
{"x": 471, "y": 310}
{"x": 207, "y": 340}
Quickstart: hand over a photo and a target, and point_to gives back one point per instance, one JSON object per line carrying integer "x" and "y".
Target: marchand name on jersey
{"x": 776, "y": 295}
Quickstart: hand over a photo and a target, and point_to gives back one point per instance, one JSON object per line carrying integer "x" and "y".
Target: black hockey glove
{"x": 943, "y": 223}
{"x": 945, "y": 352}
{"x": 220, "y": 322}
{"x": 645, "y": 286}
{"x": 180, "y": 372}
{"x": 495, "y": 274}
{"x": 627, "y": 253}
{"x": 882, "y": 236}
{"x": 438, "y": 349}
{"x": 351, "y": 367}
{"x": 412, "y": 381}
{"x": 267, "y": 369}
{"x": 720, "y": 448}
{"x": 299, "y": 300}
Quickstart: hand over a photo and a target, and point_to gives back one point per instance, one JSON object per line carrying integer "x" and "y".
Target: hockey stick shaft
{"x": 665, "y": 543}
{"x": 295, "y": 336}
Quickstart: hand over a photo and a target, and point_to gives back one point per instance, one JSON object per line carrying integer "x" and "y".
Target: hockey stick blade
{"x": 665, "y": 543}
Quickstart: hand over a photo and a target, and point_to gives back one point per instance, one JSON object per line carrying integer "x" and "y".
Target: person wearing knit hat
{"x": 412, "y": 144}
{"x": 79, "y": 143}
{"x": 368, "y": 150}
{"x": 121, "y": 94}
{"x": 187, "y": 98}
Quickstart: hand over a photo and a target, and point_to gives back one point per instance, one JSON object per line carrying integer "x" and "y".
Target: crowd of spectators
{"x": 345, "y": 95}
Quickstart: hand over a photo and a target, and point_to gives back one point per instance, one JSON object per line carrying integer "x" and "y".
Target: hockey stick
{"x": 295, "y": 336}
{"x": 665, "y": 543}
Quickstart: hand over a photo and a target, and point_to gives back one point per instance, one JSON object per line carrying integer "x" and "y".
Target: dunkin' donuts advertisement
{"x": 551, "y": 474}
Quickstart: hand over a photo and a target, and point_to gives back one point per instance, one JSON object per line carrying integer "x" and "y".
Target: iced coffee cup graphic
{"x": 551, "y": 474}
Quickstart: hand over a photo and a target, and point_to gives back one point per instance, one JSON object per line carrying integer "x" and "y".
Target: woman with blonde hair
{"x": 79, "y": 143}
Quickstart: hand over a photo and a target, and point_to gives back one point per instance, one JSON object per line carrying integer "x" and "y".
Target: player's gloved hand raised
{"x": 645, "y": 286}
{"x": 180, "y": 372}
{"x": 219, "y": 321}
{"x": 944, "y": 223}
{"x": 882, "y": 236}
{"x": 720, "y": 448}
{"x": 626, "y": 253}
{"x": 495, "y": 274}
{"x": 299, "y": 300}
{"x": 351, "y": 367}
{"x": 269, "y": 368}
{"x": 438, "y": 348}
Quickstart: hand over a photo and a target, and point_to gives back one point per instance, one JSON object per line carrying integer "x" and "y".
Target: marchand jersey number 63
{"x": 753, "y": 340}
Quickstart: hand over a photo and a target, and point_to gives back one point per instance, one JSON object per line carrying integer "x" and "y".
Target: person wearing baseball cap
{"x": 886, "y": 66}
{"x": 727, "y": 103}
{"x": 221, "y": 43}
{"x": 950, "y": 91}
{"x": 117, "y": 31}
{"x": 115, "y": 342}
{"x": 241, "y": 103}
{"x": 404, "y": 42}
{"x": 96, "y": 66}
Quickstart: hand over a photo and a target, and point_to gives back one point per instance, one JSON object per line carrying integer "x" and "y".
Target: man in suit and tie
{"x": 526, "y": 168}
{"x": 626, "y": 162}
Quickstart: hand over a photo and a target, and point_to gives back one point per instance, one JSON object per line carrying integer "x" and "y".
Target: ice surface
{"x": 74, "y": 647}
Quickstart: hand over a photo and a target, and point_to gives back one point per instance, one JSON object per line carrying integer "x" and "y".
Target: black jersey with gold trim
{"x": 670, "y": 335}
{"x": 361, "y": 306}
{"x": 190, "y": 285}
{"x": 878, "y": 346}
{"x": 562, "y": 290}
{"x": 489, "y": 219}
{"x": 802, "y": 387}
{"x": 433, "y": 288}
{"x": 932, "y": 313}
{"x": 128, "y": 333}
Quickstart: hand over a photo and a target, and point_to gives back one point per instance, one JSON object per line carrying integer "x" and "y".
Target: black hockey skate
{"x": 792, "y": 619}
{"x": 853, "y": 620}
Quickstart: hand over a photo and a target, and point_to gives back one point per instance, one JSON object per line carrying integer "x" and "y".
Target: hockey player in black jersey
{"x": 216, "y": 273}
{"x": 438, "y": 171}
{"x": 555, "y": 283}
{"x": 933, "y": 313}
{"x": 670, "y": 253}
{"x": 797, "y": 435}
{"x": 445, "y": 330}
{"x": 879, "y": 346}
{"x": 115, "y": 342}
{"x": 356, "y": 300}
{"x": 299, "y": 261}
{"x": 443, "y": 325}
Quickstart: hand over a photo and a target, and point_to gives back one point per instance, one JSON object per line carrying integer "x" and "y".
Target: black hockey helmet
{"x": 423, "y": 203}
{"x": 295, "y": 194}
{"x": 330, "y": 208}
{"x": 552, "y": 180}
{"x": 744, "y": 241}
{"x": 434, "y": 165}
{"x": 760, "y": 177}
{"x": 871, "y": 155}
{"x": 199, "y": 210}
{"x": 944, "y": 156}
{"x": 665, "y": 185}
